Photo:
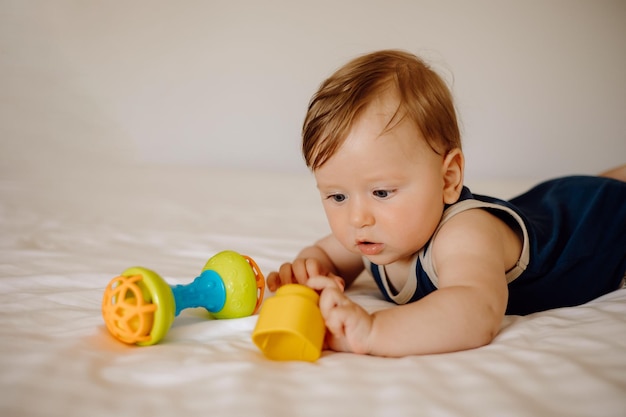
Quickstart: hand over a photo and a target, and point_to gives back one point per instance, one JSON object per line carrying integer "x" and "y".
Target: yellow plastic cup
{"x": 290, "y": 325}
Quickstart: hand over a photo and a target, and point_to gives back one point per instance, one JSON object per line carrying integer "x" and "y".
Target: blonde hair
{"x": 424, "y": 97}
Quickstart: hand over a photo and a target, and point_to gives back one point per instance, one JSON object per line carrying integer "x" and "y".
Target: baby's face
{"x": 383, "y": 193}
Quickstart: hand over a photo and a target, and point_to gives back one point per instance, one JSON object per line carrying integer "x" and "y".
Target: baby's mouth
{"x": 370, "y": 248}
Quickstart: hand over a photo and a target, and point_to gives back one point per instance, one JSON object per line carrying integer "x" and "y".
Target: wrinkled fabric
{"x": 64, "y": 235}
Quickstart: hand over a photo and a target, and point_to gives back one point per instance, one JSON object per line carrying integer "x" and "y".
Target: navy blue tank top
{"x": 574, "y": 238}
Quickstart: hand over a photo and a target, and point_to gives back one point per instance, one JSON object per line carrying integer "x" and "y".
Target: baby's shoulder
{"x": 468, "y": 225}
{"x": 477, "y": 233}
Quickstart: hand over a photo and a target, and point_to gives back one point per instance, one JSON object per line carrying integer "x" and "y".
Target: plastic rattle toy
{"x": 139, "y": 307}
{"x": 290, "y": 325}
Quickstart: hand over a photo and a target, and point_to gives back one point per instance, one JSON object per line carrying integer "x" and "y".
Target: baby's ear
{"x": 452, "y": 170}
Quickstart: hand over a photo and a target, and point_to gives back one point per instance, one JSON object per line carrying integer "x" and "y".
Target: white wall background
{"x": 540, "y": 84}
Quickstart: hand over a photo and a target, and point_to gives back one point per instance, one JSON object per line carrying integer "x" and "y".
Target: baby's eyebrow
{"x": 327, "y": 186}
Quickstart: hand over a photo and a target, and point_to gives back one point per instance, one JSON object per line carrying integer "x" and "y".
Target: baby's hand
{"x": 296, "y": 272}
{"x": 349, "y": 325}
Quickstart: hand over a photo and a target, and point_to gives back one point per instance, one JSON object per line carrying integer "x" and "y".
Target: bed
{"x": 67, "y": 230}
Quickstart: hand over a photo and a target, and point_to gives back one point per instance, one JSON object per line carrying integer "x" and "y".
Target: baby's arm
{"x": 327, "y": 257}
{"x": 471, "y": 253}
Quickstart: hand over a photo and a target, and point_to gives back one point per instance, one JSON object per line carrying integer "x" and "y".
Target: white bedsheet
{"x": 64, "y": 235}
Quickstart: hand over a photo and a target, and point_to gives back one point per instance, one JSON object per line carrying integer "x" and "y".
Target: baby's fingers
{"x": 349, "y": 326}
{"x": 289, "y": 274}
{"x": 332, "y": 302}
{"x": 273, "y": 281}
{"x": 285, "y": 275}
{"x": 304, "y": 268}
{"x": 321, "y": 283}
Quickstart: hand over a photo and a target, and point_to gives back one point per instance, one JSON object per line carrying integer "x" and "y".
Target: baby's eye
{"x": 381, "y": 193}
{"x": 337, "y": 198}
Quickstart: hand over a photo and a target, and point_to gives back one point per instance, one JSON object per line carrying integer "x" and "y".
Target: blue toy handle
{"x": 206, "y": 291}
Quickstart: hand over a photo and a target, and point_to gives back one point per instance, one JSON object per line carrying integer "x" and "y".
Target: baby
{"x": 382, "y": 140}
